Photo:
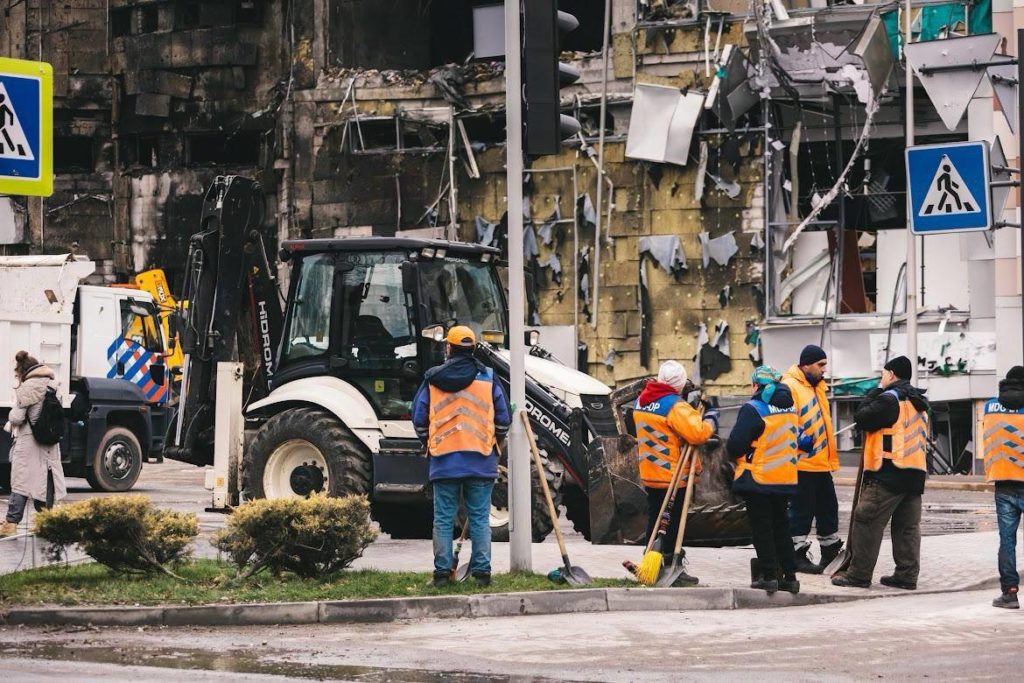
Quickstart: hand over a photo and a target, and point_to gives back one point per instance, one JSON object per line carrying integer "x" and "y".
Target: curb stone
{"x": 434, "y": 607}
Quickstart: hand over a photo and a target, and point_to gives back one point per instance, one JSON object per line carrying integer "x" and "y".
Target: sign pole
{"x": 911, "y": 307}
{"x": 520, "y": 531}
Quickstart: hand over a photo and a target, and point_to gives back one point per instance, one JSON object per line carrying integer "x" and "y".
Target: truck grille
{"x": 599, "y": 410}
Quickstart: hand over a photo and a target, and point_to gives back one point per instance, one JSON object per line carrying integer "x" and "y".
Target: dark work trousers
{"x": 655, "y": 497}
{"x": 769, "y": 522}
{"x": 875, "y": 507}
{"x": 815, "y": 499}
{"x": 17, "y": 503}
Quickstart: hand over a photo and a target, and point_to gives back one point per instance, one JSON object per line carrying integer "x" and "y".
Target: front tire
{"x": 117, "y": 463}
{"x": 303, "y": 451}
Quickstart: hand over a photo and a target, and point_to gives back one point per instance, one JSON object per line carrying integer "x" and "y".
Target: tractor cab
{"x": 371, "y": 311}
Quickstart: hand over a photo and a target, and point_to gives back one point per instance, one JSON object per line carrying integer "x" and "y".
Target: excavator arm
{"x": 234, "y": 312}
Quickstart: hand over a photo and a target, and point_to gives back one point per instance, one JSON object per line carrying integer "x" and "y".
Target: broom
{"x": 650, "y": 567}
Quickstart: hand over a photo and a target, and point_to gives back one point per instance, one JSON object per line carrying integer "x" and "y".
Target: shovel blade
{"x": 576, "y": 576}
{"x": 462, "y": 573}
{"x": 669, "y": 575}
{"x": 841, "y": 562}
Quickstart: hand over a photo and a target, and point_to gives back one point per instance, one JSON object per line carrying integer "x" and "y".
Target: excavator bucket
{"x": 618, "y": 502}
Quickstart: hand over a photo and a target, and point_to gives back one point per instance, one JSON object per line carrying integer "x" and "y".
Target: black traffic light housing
{"x": 543, "y": 76}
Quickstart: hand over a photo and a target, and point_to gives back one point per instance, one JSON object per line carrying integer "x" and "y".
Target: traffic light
{"x": 544, "y": 76}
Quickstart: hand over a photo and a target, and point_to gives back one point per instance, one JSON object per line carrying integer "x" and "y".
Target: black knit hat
{"x": 900, "y": 366}
{"x": 1016, "y": 373}
{"x": 811, "y": 354}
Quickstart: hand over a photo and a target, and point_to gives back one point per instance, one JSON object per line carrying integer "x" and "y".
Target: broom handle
{"x": 544, "y": 487}
{"x": 672, "y": 486}
{"x": 694, "y": 460}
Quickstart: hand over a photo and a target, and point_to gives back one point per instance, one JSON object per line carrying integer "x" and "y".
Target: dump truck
{"x": 105, "y": 345}
{"x": 331, "y": 368}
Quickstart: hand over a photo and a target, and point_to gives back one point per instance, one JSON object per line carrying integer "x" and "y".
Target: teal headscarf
{"x": 767, "y": 377}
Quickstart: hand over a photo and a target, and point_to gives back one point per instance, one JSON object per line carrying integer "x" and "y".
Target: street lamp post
{"x": 911, "y": 307}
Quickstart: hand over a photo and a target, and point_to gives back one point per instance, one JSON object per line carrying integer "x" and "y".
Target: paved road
{"x": 944, "y": 637}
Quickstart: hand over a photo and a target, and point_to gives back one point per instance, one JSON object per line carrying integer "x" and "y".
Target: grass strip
{"x": 206, "y": 582}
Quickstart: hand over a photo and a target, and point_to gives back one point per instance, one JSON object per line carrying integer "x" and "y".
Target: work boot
{"x": 1008, "y": 600}
{"x": 896, "y": 582}
{"x": 755, "y": 569}
{"x": 483, "y": 579}
{"x": 441, "y": 579}
{"x": 8, "y": 529}
{"x": 685, "y": 579}
{"x": 804, "y": 564}
{"x": 843, "y": 580}
{"x": 828, "y": 553}
{"x": 789, "y": 584}
{"x": 767, "y": 585}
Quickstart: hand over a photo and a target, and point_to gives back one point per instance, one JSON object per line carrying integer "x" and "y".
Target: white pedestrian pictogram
{"x": 13, "y": 143}
{"x": 948, "y": 194}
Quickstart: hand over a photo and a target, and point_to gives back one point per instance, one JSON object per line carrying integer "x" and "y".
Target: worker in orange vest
{"x": 815, "y": 498}
{"x": 665, "y": 424}
{"x": 460, "y": 414}
{"x": 1003, "y": 444}
{"x": 766, "y": 441}
{"x": 894, "y": 417}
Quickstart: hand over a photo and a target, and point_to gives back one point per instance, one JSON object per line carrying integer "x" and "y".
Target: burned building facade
{"x": 744, "y": 196}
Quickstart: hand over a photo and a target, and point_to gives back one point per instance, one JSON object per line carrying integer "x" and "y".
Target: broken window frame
{"x": 355, "y": 135}
{"x": 67, "y": 164}
{"x": 194, "y": 140}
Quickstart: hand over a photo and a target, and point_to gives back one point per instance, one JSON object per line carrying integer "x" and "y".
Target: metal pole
{"x": 520, "y": 551}
{"x": 606, "y": 27}
{"x": 911, "y": 242}
{"x": 1020, "y": 154}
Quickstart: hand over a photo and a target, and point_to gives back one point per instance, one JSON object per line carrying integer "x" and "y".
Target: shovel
{"x": 460, "y": 572}
{"x": 574, "y": 576}
{"x": 842, "y": 560}
{"x": 670, "y": 574}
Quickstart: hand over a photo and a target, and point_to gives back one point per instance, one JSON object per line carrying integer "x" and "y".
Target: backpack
{"x": 48, "y": 427}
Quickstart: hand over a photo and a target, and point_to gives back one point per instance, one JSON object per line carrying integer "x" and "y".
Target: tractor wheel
{"x": 302, "y": 451}
{"x": 117, "y": 462}
{"x": 539, "y": 517}
{"x": 577, "y": 509}
{"x": 405, "y": 521}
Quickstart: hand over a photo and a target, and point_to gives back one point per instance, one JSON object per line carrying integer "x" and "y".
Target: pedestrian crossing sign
{"x": 26, "y": 128}
{"x": 949, "y": 187}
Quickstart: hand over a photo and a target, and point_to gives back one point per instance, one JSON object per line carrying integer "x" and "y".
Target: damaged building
{"x": 740, "y": 194}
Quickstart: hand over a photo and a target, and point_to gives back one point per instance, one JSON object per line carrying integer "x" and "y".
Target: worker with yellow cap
{"x": 460, "y": 413}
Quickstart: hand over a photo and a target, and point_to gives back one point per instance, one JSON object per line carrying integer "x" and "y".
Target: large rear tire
{"x": 405, "y": 521}
{"x": 577, "y": 509}
{"x": 117, "y": 463}
{"x": 302, "y": 451}
{"x": 539, "y": 517}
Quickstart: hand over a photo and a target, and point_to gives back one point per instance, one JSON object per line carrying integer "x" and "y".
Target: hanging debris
{"x": 721, "y": 249}
{"x": 667, "y": 252}
{"x": 724, "y": 296}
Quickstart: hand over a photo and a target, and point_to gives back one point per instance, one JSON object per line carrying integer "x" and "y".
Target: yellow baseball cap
{"x": 460, "y": 335}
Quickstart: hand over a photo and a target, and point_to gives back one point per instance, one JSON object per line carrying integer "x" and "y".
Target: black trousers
{"x": 769, "y": 521}
{"x": 815, "y": 499}
{"x": 655, "y": 497}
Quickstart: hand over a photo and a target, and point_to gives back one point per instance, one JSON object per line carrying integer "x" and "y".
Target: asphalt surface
{"x": 910, "y": 637}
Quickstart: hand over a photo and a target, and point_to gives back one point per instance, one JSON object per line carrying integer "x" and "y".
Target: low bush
{"x": 125, "y": 533}
{"x": 311, "y": 537}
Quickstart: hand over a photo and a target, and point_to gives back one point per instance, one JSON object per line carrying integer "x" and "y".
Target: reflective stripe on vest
{"x": 1003, "y": 441}
{"x": 462, "y": 420}
{"x": 812, "y": 423}
{"x": 909, "y": 446}
{"x": 774, "y": 457}
{"x": 658, "y": 446}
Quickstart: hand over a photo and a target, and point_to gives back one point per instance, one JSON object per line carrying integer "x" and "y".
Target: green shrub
{"x": 311, "y": 537}
{"x": 125, "y": 533}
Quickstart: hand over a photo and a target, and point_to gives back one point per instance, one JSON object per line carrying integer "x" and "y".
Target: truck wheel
{"x": 577, "y": 509}
{"x": 540, "y": 519}
{"x": 5, "y": 477}
{"x": 302, "y": 451}
{"x": 117, "y": 462}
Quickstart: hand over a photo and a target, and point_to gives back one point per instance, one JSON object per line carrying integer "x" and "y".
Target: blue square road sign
{"x": 26, "y": 128}
{"x": 949, "y": 187}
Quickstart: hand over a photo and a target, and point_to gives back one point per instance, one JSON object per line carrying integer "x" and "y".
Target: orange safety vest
{"x": 774, "y": 457}
{"x": 463, "y": 420}
{"x": 907, "y": 441}
{"x": 815, "y": 420}
{"x": 659, "y": 445}
{"x": 1003, "y": 441}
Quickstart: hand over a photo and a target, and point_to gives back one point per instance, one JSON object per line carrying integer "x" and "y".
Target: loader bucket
{"x": 618, "y": 503}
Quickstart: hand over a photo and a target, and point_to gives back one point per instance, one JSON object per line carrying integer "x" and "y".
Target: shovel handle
{"x": 544, "y": 486}
{"x": 693, "y": 458}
